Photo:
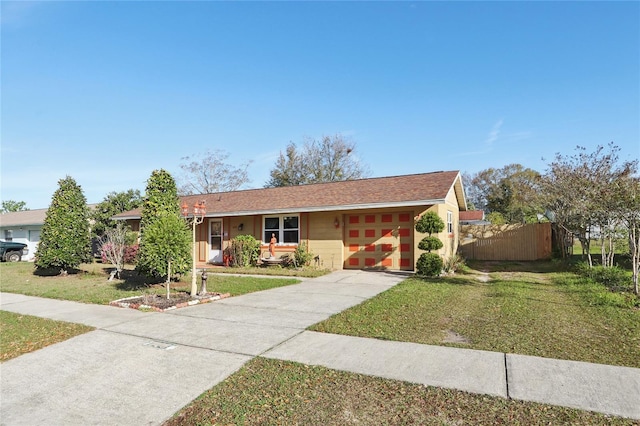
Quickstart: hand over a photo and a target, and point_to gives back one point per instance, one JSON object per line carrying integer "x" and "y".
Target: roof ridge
{"x": 320, "y": 183}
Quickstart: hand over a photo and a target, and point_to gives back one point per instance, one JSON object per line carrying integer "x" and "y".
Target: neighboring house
{"x": 473, "y": 217}
{"x": 364, "y": 223}
{"x": 23, "y": 227}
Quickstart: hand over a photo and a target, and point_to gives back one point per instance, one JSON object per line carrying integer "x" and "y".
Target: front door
{"x": 215, "y": 241}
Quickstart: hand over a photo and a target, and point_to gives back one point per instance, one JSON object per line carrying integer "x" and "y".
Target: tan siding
{"x": 451, "y": 205}
{"x": 324, "y": 239}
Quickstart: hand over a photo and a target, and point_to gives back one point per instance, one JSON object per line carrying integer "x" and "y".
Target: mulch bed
{"x": 160, "y": 303}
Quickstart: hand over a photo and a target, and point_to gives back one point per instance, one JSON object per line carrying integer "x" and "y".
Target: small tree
{"x": 113, "y": 248}
{"x": 578, "y": 193}
{"x": 167, "y": 240}
{"x": 429, "y": 264}
{"x": 65, "y": 239}
{"x": 161, "y": 200}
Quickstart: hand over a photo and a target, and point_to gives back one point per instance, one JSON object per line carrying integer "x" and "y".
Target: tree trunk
{"x": 634, "y": 242}
{"x": 586, "y": 247}
{"x": 168, "y": 280}
{"x": 612, "y": 251}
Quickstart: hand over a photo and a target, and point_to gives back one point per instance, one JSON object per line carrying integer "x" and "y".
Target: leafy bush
{"x": 595, "y": 294}
{"x": 429, "y": 264}
{"x": 612, "y": 277}
{"x": 244, "y": 251}
{"x": 453, "y": 263}
{"x": 131, "y": 254}
{"x": 302, "y": 255}
{"x": 131, "y": 238}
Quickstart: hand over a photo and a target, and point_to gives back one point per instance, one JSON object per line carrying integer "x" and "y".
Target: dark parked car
{"x": 12, "y": 252}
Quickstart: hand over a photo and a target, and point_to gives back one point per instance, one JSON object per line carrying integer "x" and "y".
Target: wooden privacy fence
{"x": 506, "y": 242}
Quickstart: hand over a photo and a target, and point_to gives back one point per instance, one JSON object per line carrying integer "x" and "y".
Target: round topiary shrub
{"x": 430, "y": 243}
{"x": 429, "y": 264}
{"x": 430, "y": 223}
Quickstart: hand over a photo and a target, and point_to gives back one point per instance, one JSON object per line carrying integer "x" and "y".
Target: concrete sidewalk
{"x": 606, "y": 389}
{"x": 140, "y": 368}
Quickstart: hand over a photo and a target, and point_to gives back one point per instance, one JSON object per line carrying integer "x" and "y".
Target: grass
{"x": 273, "y": 392}
{"x": 89, "y": 284}
{"x": 307, "y": 272}
{"x": 531, "y": 311}
{"x": 24, "y": 333}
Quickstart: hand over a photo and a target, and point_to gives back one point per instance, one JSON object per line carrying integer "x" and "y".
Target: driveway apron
{"x": 140, "y": 368}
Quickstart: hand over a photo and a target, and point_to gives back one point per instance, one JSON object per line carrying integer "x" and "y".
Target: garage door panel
{"x": 380, "y": 240}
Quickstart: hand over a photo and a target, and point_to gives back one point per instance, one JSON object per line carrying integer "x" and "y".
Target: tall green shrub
{"x": 65, "y": 240}
{"x": 161, "y": 203}
{"x": 245, "y": 251}
{"x": 429, "y": 264}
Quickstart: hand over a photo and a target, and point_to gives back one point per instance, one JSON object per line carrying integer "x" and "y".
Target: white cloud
{"x": 494, "y": 133}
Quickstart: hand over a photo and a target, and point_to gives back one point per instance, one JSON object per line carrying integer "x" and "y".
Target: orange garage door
{"x": 379, "y": 240}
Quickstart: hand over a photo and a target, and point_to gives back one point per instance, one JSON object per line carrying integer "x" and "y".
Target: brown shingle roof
{"x": 472, "y": 215}
{"x": 417, "y": 189}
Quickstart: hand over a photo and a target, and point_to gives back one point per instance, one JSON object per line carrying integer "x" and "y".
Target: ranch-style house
{"x": 355, "y": 224}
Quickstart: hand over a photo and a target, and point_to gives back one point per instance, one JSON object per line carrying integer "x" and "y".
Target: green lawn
{"x": 272, "y": 392}
{"x": 89, "y": 284}
{"x": 548, "y": 314}
{"x": 24, "y": 333}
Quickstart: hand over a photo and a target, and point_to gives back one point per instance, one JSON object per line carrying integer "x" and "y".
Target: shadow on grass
{"x": 450, "y": 279}
{"x": 57, "y": 272}
{"x": 131, "y": 280}
{"x": 537, "y": 266}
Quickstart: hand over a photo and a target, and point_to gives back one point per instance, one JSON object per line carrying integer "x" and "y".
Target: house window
{"x": 450, "y": 222}
{"x": 8, "y": 235}
{"x": 285, "y": 227}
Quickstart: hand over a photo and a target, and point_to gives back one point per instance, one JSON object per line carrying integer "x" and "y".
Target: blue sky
{"x": 106, "y": 92}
